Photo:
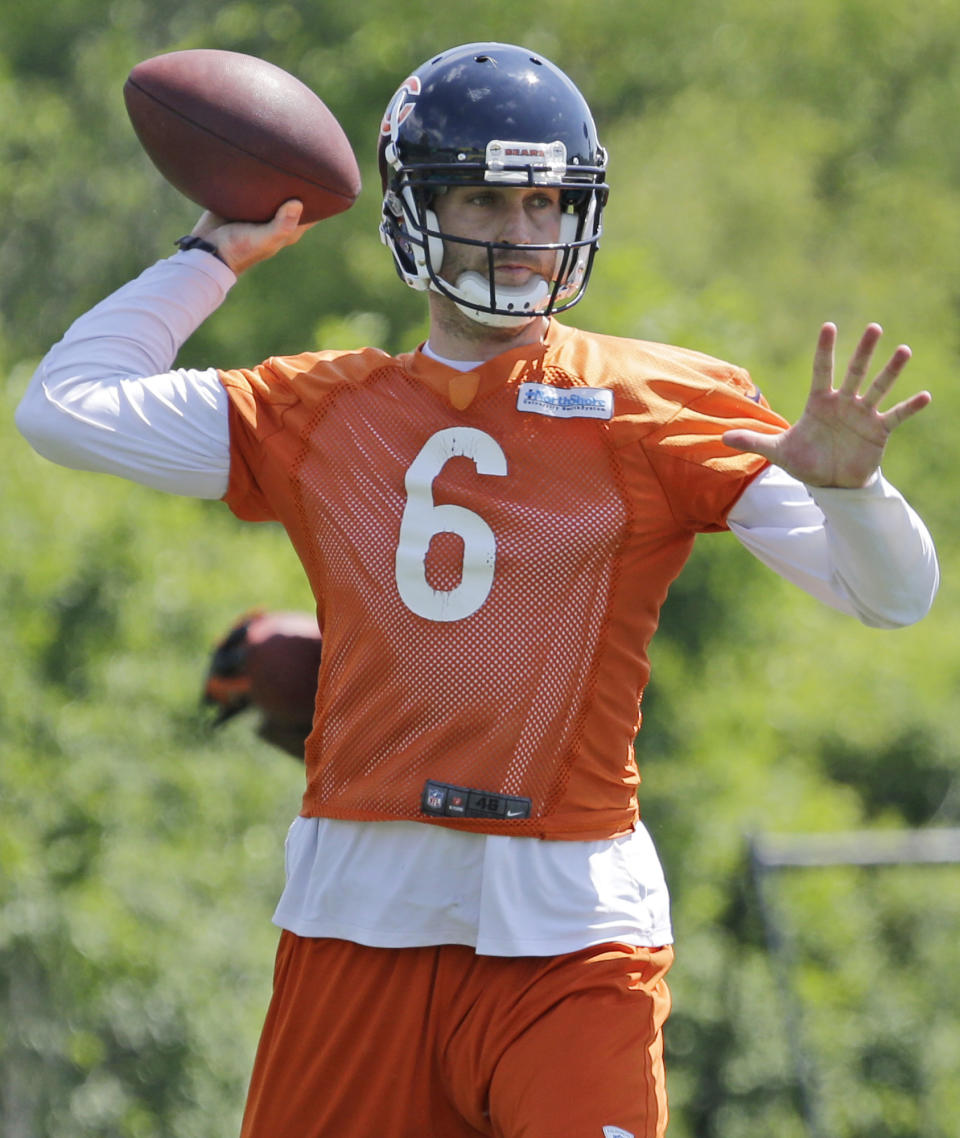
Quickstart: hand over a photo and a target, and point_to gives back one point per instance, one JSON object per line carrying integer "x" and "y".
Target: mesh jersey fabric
{"x": 488, "y": 578}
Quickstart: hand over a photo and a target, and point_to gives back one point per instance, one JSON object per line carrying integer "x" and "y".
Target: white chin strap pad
{"x": 522, "y": 304}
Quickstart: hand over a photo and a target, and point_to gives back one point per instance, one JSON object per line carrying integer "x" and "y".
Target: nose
{"x": 516, "y": 228}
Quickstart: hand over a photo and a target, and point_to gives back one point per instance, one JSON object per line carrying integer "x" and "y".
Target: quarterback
{"x": 474, "y": 914}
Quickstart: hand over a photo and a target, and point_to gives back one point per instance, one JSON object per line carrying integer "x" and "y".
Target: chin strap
{"x": 523, "y": 303}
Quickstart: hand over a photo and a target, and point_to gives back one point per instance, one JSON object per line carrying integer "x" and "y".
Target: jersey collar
{"x": 461, "y": 388}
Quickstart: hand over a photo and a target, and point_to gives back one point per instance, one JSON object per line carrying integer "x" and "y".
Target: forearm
{"x": 104, "y": 399}
{"x": 865, "y": 552}
{"x": 882, "y": 553}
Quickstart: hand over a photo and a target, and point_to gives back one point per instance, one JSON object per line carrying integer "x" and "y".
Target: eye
{"x": 542, "y": 201}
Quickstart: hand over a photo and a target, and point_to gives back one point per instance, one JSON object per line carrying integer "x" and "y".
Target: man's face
{"x": 515, "y": 215}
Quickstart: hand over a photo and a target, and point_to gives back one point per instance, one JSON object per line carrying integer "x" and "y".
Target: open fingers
{"x": 859, "y": 365}
{"x": 823, "y": 358}
{"x": 904, "y": 410}
{"x": 887, "y": 377}
{"x": 860, "y": 360}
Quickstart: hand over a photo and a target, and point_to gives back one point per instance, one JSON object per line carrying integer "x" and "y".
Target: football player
{"x": 476, "y": 929}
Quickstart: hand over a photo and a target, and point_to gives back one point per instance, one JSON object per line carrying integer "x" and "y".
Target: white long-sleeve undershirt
{"x": 107, "y": 398}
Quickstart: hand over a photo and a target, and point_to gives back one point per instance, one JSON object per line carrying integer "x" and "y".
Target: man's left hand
{"x": 840, "y": 437}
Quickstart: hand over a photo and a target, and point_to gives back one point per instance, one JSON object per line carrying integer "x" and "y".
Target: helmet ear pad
{"x": 573, "y": 260}
{"x": 434, "y": 241}
{"x": 395, "y": 234}
{"x": 405, "y": 217}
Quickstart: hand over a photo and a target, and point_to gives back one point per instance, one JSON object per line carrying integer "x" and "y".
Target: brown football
{"x": 282, "y": 659}
{"x": 240, "y": 136}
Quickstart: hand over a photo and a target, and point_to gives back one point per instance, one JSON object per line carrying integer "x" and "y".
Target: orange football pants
{"x": 441, "y": 1043}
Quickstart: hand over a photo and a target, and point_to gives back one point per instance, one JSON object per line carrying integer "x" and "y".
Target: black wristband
{"x": 191, "y": 241}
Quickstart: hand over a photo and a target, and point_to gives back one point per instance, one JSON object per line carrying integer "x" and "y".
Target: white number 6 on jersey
{"x": 422, "y": 519}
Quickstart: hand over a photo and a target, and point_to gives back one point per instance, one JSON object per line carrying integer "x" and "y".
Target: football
{"x": 240, "y": 136}
{"x": 282, "y": 659}
{"x": 267, "y": 660}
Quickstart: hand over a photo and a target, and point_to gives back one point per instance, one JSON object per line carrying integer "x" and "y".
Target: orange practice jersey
{"x": 489, "y": 553}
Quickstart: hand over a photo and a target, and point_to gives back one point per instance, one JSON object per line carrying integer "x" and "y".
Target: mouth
{"x": 515, "y": 260}
{"x": 513, "y": 273}
{"x": 517, "y": 269}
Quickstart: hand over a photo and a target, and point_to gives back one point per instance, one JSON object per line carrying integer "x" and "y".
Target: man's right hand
{"x": 242, "y": 244}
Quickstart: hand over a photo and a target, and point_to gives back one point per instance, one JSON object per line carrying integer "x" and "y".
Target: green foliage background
{"x": 772, "y": 166}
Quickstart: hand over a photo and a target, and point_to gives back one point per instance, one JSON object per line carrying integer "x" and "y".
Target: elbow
{"x": 904, "y": 607}
{"x": 31, "y": 417}
{"x": 892, "y": 618}
{"x": 39, "y": 420}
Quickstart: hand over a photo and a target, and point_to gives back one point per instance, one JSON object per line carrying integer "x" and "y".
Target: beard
{"x": 447, "y": 317}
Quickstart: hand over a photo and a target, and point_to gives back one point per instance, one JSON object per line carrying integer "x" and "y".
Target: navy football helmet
{"x": 490, "y": 114}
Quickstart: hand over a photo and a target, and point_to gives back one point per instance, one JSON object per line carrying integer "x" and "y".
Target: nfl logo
{"x": 435, "y": 798}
